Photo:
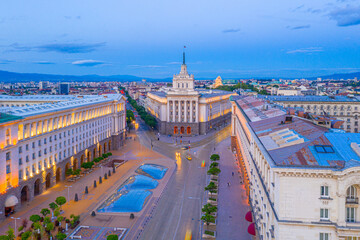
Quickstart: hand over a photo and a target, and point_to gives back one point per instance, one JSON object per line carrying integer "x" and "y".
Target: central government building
{"x": 184, "y": 111}
{"x": 41, "y": 136}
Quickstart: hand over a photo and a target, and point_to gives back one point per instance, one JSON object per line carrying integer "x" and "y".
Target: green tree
{"x": 45, "y": 211}
{"x": 10, "y": 233}
{"x": 208, "y": 208}
{"x": 49, "y": 227}
{"x": 60, "y": 201}
{"x": 61, "y": 236}
{"x": 207, "y": 218}
{"x": 213, "y": 171}
{"x": 26, "y": 235}
{"x": 35, "y": 218}
{"x": 4, "y": 237}
{"x": 211, "y": 188}
{"x": 112, "y": 237}
{"x": 215, "y": 157}
{"x": 214, "y": 164}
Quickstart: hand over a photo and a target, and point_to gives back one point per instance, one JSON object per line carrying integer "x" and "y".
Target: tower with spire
{"x": 183, "y": 81}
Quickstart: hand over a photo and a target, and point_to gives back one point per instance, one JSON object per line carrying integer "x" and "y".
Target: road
{"x": 179, "y": 209}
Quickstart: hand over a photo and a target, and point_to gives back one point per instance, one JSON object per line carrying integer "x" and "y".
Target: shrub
{"x": 209, "y": 233}
{"x": 207, "y": 218}
{"x": 35, "y": 218}
{"x": 214, "y": 164}
{"x": 26, "y": 235}
{"x": 208, "y": 208}
{"x": 101, "y": 158}
{"x": 104, "y": 155}
{"x": 77, "y": 172}
{"x": 61, "y": 236}
{"x": 112, "y": 237}
{"x": 21, "y": 228}
{"x": 45, "y": 211}
{"x": 96, "y": 160}
{"x": 213, "y": 171}
{"x": 69, "y": 172}
{"x": 87, "y": 165}
{"x": 60, "y": 200}
{"x": 110, "y": 153}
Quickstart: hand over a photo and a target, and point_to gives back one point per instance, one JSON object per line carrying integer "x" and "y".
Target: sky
{"x": 230, "y": 38}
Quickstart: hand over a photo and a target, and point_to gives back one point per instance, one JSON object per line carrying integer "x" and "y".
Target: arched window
{"x": 351, "y": 192}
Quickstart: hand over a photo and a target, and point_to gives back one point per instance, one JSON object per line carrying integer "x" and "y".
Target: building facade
{"x": 38, "y": 143}
{"x": 184, "y": 110}
{"x": 302, "y": 180}
{"x": 341, "y": 107}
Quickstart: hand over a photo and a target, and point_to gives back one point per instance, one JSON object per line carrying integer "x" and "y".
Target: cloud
{"x": 174, "y": 63}
{"x": 347, "y": 16}
{"x": 44, "y": 62}
{"x": 298, "y": 8}
{"x": 87, "y": 63}
{"x": 59, "y": 47}
{"x": 298, "y": 27}
{"x": 306, "y": 50}
{"x": 231, "y": 30}
{"x": 6, "y": 61}
{"x": 70, "y": 47}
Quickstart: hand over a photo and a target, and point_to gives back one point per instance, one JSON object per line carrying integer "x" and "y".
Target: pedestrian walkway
{"x": 232, "y": 205}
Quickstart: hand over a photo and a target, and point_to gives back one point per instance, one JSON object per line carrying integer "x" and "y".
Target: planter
{"x": 214, "y": 176}
{"x": 209, "y": 235}
{"x": 214, "y": 203}
{"x": 210, "y": 227}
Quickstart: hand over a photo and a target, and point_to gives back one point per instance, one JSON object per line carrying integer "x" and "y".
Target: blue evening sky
{"x": 231, "y": 38}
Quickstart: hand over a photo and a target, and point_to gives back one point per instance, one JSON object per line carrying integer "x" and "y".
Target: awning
{"x": 11, "y": 201}
{"x": 248, "y": 216}
{"x": 251, "y": 229}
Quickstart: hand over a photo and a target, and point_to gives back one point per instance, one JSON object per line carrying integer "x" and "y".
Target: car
{"x": 185, "y": 148}
{"x": 188, "y": 157}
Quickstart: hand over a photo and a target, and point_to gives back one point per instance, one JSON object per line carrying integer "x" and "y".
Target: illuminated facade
{"x": 184, "y": 110}
{"x": 302, "y": 179}
{"x": 40, "y": 142}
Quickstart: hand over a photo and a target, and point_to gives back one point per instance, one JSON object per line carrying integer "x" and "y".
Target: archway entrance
{"x": 100, "y": 152}
{"x": 94, "y": 153}
{"x": 82, "y": 159}
{"x": 58, "y": 175}
{"x": 25, "y": 194}
{"x": 182, "y": 130}
{"x": 75, "y": 164}
{"x": 109, "y": 145}
{"x": 188, "y": 130}
{"x": 176, "y": 130}
{"x": 67, "y": 167}
{"x": 88, "y": 157}
{"x": 105, "y": 147}
{"x": 48, "y": 181}
{"x": 37, "y": 187}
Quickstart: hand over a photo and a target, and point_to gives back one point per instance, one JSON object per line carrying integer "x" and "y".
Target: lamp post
{"x": 15, "y": 224}
{"x": 68, "y": 188}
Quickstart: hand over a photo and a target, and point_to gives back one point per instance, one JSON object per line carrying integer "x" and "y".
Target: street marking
{"x": 194, "y": 198}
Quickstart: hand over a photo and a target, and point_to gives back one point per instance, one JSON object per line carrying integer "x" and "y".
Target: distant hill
{"x": 6, "y": 76}
{"x": 339, "y": 76}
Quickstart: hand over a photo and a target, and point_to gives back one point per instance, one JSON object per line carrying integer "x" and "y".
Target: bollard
{"x": 76, "y": 197}
{"x": 100, "y": 180}
{"x": 105, "y": 176}
{"x": 86, "y": 190}
{"x": 93, "y": 214}
{"x": 113, "y": 169}
{"x": 94, "y": 183}
{"x": 109, "y": 173}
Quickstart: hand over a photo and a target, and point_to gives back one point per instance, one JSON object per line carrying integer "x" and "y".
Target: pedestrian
{"x": 228, "y": 184}
{"x": 232, "y": 173}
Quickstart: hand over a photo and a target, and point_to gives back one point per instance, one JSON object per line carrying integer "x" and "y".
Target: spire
{"x": 184, "y": 56}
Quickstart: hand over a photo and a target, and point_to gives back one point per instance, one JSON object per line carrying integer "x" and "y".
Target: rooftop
{"x": 309, "y": 98}
{"x": 64, "y": 102}
{"x": 204, "y": 93}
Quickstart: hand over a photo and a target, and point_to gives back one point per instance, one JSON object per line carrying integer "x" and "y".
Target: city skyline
{"x": 232, "y": 39}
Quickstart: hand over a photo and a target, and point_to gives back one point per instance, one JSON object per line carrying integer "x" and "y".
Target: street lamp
{"x": 68, "y": 188}
{"x": 15, "y": 223}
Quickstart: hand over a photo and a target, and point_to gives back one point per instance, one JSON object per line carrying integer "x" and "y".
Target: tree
{"x": 215, "y": 157}
{"x": 45, "y": 211}
{"x": 26, "y": 235}
{"x": 4, "y": 237}
{"x": 53, "y": 206}
{"x": 49, "y": 227}
{"x": 208, "y": 208}
{"x": 213, "y": 171}
{"x": 35, "y": 218}
{"x": 61, "y": 236}
{"x": 10, "y": 233}
{"x": 207, "y": 218}
{"x": 112, "y": 237}
{"x": 214, "y": 164}
{"x": 211, "y": 188}
{"x": 60, "y": 201}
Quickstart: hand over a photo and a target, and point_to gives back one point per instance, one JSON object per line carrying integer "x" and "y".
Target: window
{"x": 352, "y": 238}
{"x": 33, "y": 156}
{"x": 8, "y": 156}
{"x": 324, "y": 149}
{"x": 20, "y": 161}
{"x": 27, "y": 147}
{"x": 324, "y": 192}
{"x": 44, "y": 140}
{"x": 324, "y": 236}
{"x": 39, "y": 143}
{"x": 20, "y": 174}
{"x": 50, "y": 139}
{"x": 8, "y": 169}
{"x": 324, "y": 214}
{"x": 20, "y": 149}
{"x": 27, "y": 158}
{"x": 350, "y": 214}
{"x": 33, "y": 144}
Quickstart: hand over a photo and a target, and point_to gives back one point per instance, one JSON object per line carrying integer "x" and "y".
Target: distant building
{"x": 43, "y": 85}
{"x": 302, "y": 179}
{"x": 184, "y": 110}
{"x": 217, "y": 83}
{"x": 346, "y": 108}
{"x": 64, "y": 88}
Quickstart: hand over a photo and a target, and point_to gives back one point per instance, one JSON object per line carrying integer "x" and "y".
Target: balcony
{"x": 352, "y": 200}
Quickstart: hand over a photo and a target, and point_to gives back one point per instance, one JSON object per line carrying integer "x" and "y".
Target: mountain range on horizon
{"x": 6, "y": 76}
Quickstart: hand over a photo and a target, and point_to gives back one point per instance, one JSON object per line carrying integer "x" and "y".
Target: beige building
{"x": 341, "y": 107}
{"x": 302, "y": 179}
{"x": 39, "y": 142}
{"x": 184, "y": 110}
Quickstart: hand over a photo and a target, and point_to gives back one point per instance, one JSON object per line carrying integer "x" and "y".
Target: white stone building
{"x": 341, "y": 107}
{"x": 303, "y": 180}
{"x": 184, "y": 110}
{"x": 38, "y": 143}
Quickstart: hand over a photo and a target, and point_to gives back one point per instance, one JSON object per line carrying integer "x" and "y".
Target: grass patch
{"x": 209, "y": 233}
{"x": 212, "y": 199}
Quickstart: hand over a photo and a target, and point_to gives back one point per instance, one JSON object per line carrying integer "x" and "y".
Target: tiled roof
{"x": 309, "y": 98}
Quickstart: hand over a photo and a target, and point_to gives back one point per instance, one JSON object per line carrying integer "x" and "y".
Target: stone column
{"x": 168, "y": 111}
{"x": 173, "y": 107}
{"x": 191, "y": 111}
{"x": 179, "y": 109}
{"x": 185, "y": 106}
{"x": 197, "y": 112}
